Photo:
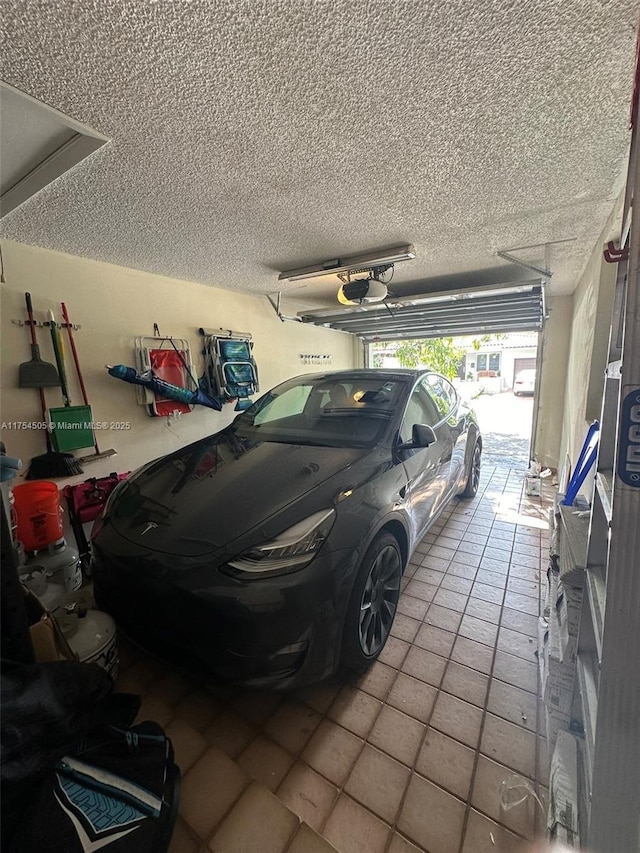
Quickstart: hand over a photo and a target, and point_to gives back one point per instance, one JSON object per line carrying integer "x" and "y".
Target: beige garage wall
{"x": 592, "y": 305}
{"x": 113, "y": 305}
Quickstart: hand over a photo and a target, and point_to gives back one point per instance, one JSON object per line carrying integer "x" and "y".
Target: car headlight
{"x": 292, "y": 549}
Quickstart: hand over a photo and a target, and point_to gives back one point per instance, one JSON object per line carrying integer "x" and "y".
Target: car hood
{"x": 206, "y": 495}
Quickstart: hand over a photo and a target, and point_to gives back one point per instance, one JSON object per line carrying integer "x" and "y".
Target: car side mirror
{"x": 421, "y": 436}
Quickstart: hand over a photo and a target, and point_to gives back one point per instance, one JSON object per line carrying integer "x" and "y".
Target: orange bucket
{"x": 39, "y": 515}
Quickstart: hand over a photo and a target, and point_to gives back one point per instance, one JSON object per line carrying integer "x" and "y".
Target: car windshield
{"x": 345, "y": 410}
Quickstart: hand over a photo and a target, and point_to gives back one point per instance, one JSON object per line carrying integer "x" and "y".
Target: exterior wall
{"x": 113, "y": 305}
{"x": 507, "y": 359}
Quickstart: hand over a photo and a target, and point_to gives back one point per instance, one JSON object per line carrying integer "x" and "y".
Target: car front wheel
{"x": 373, "y": 604}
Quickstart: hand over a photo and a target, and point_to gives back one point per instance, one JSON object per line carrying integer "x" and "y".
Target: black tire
{"x": 373, "y": 604}
{"x": 473, "y": 480}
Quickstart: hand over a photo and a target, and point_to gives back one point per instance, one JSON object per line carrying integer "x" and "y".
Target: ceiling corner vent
{"x": 37, "y": 145}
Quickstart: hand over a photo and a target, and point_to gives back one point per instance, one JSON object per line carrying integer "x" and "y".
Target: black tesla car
{"x": 271, "y": 553}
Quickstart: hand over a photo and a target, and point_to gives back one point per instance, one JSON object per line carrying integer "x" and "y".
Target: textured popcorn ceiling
{"x": 253, "y": 137}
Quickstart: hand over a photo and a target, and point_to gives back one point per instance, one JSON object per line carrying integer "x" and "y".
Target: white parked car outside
{"x": 525, "y": 382}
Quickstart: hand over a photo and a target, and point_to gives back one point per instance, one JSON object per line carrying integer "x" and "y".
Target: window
{"x": 290, "y": 402}
{"x": 494, "y": 362}
{"x": 442, "y": 393}
{"x": 420, "y": 410}
{"x": 481, "y": 361}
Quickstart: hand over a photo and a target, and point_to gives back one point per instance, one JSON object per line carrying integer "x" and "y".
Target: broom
{"x": 49, "y": 464}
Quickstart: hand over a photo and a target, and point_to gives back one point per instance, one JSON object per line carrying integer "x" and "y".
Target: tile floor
{"x": 412, "y": 756}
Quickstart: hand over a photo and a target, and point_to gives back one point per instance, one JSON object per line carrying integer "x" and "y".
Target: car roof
{"x": 382, "y": 373}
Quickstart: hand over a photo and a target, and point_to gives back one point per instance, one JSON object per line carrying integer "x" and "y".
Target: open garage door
{"x": 518, "y": 308}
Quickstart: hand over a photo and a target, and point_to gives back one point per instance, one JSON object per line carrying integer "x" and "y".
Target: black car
{"x": 272, "y": 552}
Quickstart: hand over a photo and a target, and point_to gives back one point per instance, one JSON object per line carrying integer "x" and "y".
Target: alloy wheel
{"x": 379, "y": 600}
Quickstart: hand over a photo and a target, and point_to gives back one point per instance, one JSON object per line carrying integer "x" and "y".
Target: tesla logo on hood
{"x": 150, "y": 526}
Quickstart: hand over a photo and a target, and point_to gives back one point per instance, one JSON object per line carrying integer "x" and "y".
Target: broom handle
{"x": 75, "y": 353}
{"x": 76, "y": 360}
{"x": 43, "y": 402}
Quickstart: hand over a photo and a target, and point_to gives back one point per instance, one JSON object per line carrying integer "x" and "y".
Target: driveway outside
{"x": 505, "y": 421}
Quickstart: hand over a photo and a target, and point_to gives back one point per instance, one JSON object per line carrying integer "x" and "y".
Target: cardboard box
{"x": 568, "y": 608}
{"x": 562, "y": 818}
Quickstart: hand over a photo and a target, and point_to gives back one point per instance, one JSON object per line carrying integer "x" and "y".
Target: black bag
{"x": 117, "y": 793}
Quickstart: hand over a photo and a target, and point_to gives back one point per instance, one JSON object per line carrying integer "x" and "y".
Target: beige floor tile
{"x": 397, "y": 734}
{"x": 485, "y": 836}
{"x": 520, "y": 645}
{"x": 138, "y": 678}
{"x": 452, "y": 600}
{"x": 510, "y": 745}
{"x": 423, "y": 591}
{"x": 413, "y": 607}
{"x": 266, "y": 762}
{"x": 425, "y": 665}
{"x": 495, "y": 564}
{"x": 259, "y": 821}
{"x": 491, "y": 578}
{"x": 513, "y": 704}
{"x": 319, "y": 697}
{"x": 462, "y": 570}
{"x": 355, "y": 710}
{"x": 457, "y": 584}
{"x": 486, "y": 798}
{"x": 413, "y": 697}
{"x": 306, "y": 840}
{"x": 209, "y": 790}
{"x": 353, "y": 829}
{"x": 516, "y": 671}
{"x": 465, "y": 683}
{"x": 447, "y": 763}
{"x": 449, "y": 538}
{"x": 332, "y": 751}
{"x": 531, "y": 561}
{"x": 183, "y": 839}
{"x": 378, "y": 782}
{"x": 435, "y": 639}
{"x": 292, "y": 725}
{"x": 523, "y": 603}
{"x": 468, "y": 547}
{"x": 188, "y": 744}
{"x": 198, "y": 709}
{"x": 404, "y": 627}
{"x": 230, "y": 733}
{"x": 172, "y": 687}
{"x": 439, "y": 551}
{"x": 153, "y": 708}
{"x": 492, "y": 594}
{"x": 524, "y": 587}
{"x": 484, "y": 610}
{"x": 478, "y": 630}
{"x": 457, "y": 718}
{"x": 307, "y": 794}
{"x": 255, "y": 706}
{"x": 522, "y": 622}
{"x": 427, "y": 575}
{"x": 394, "y": 652}
{"x": 438, "y": 564}
{"x": 401, "y": 845}
{"x": 443, "y": 617}
{"x": 474, "y": 655}
{"x": 431, "y": 817}
{"x": 377, "y": 681}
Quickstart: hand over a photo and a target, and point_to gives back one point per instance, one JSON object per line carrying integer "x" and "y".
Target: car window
{"x": 420, "y": 410}
{"x": 291, "y": 401}
{"x": 442, "y": 393}
{"x": 341, "y": 410}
